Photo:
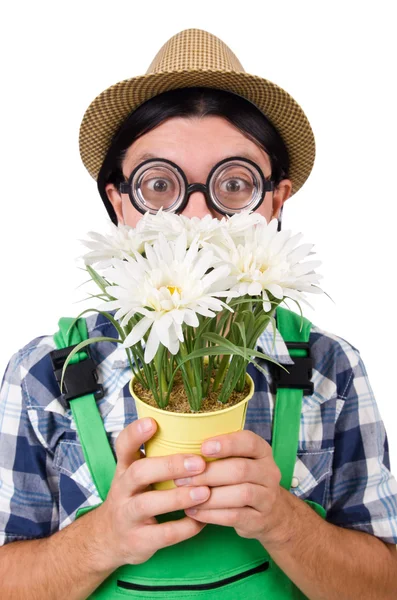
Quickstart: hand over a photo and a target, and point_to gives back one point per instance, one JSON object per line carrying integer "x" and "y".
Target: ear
{"x": 116, "y": 201}
{"x": 280, "y": 195}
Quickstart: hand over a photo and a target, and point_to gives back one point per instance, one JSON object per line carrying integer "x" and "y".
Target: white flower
{"x": 238, "y": 225}
{"x": 169, "y": 287}
{"x": 171, "y": 225}
{"x": 268, "y": 261}
{"x": 206, "y": 229}
{"x": 122, "y": 241}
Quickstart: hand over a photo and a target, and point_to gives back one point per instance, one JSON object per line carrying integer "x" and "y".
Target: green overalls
{"x": 216, "y": 564}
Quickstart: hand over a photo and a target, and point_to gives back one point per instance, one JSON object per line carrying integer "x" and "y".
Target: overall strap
{"x": 96, "y": 448}
{"x": 290, "y": 389}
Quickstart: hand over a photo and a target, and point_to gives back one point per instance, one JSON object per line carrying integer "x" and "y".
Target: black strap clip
{"x": 300, "y": 373}
{"x": 80, "y": 378}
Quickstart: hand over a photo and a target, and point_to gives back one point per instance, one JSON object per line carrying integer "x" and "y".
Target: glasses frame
{"x": 126, "y": 186}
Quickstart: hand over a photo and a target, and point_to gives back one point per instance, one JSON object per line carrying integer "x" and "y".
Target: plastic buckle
{"x": 300, "y": 373}
{"x": 80, "y": 378}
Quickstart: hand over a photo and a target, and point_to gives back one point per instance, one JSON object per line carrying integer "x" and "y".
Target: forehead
{"x": 194, "y": 143}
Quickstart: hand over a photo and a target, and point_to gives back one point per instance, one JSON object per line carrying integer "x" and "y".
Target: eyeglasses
{"x": 233, "y": 184}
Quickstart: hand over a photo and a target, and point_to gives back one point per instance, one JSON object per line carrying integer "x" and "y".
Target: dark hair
{"x": 189, "y": 102}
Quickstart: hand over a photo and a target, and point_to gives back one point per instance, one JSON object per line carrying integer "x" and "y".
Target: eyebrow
{"x": 144, "y": 157}
{"x": 245, "y": 154}
{"x": 141, "y": 158}
{"x": 148, "y": 155}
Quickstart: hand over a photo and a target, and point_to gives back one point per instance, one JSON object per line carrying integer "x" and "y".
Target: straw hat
{"x": 193, "y": 58}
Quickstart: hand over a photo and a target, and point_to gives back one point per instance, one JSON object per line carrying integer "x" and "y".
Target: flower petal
{"x": 137, "y": 332}
{"x": 151, "y": 346}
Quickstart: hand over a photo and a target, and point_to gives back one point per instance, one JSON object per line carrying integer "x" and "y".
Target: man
{"x": 41, "y": 456}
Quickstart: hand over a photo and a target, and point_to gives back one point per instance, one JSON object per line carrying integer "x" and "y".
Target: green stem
{"x": 162, "y": 380}
{"x": 241, "y": 380}
{"x": 220, "y": 374}
{"x": 153, "y": 387}
{"x": 207, "y": 380}
{"x": 189, "y": 372}
{"x": 170, "y": 361}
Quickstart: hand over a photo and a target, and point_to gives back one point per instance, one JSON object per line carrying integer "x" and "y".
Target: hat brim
{"x": 107, "y": 112}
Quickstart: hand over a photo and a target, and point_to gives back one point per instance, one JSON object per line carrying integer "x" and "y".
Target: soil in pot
{"x": 179, "y": 402}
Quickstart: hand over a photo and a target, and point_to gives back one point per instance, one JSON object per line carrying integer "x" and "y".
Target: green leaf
{"x": 104, "y": 314}
{"x": 300, "y": 310}
{"x": 225, "y": 348}
{"x": 324, "y": 292}
{"x": 186, "y": 377}
{"x": 161, "y": 377}
{"x": 90, "y": 296}
{"x": 220, "y": 372}
{"x": 260, "y": 324}
{"x": 242, "y": 333}
{"x": 252, "y": 299}
{"x": 100, "y": 281}
{"x": 229, "y": 348}
{"x": 274, "y": 326}
{"x": 236, "y": 365}
{"x": 84, "y": 282}
{"x": 261, "y": 369}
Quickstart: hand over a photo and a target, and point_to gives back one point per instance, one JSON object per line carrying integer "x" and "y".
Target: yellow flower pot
{"x": 183, "y": 433}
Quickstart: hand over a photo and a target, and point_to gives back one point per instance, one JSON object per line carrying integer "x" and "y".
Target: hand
{"x": 126, "y": 527}
{"x": 245, "y": 489}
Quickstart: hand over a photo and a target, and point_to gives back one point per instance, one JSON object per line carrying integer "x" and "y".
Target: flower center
{"x": 173, "y": 288}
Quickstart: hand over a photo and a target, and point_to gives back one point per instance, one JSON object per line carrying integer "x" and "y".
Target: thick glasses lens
{"x": 235, "y": 186}
{"x": 158, "y": 185}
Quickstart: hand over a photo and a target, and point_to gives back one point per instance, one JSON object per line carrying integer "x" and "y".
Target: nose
{"x": 196, "y": 206}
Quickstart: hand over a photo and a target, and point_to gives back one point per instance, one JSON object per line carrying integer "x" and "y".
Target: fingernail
{"x": 145, "y": 425}
{"x": 193, "y": 464}
{"x": 211, "y": 447}
{"x": 199, "y": 493}
{"x": 184, "y": 481}
{"x": 191, "y": 511}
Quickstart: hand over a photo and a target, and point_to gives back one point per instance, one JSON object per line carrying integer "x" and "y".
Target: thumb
{"x": 130, "y": 440}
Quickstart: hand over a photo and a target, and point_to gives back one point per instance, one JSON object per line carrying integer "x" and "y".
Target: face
{"x": 196, "y": 145}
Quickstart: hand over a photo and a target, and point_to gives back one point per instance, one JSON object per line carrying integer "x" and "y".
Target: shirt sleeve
{"x": 28, "y": 504}
{"x": 363, "y": 492}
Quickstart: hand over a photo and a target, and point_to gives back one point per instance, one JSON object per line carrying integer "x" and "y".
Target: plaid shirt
{"x": 342, "y": 461}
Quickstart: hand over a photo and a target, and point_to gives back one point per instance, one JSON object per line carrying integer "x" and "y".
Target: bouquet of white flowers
{"x": 192, "y": 296}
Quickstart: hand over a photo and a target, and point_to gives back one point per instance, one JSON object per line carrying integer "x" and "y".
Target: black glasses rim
{"x": 267, "y": 184}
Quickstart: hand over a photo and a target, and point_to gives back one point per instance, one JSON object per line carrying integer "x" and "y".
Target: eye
{"x": 235, "y": 185}
{"x": 159, "y": 184}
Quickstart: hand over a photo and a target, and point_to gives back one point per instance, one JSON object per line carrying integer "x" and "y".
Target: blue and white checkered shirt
{"x": 342, "y": 461}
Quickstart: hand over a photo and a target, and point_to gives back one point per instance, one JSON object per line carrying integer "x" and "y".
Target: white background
{"x": 336, "y": 59}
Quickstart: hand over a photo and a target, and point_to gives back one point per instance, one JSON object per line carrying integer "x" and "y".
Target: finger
{"x": 159, "y": 502}
{"x": 230, "y": 471}
{"x": 173, "y": 532}
{"x": 129, "y": 441}
{"x": 238, "y": 496}
{"x": 239, "y": 518}
{"x": 227, "y": 471}
{"x": 239, "y": 443}
{"x": 146, "y": 471}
